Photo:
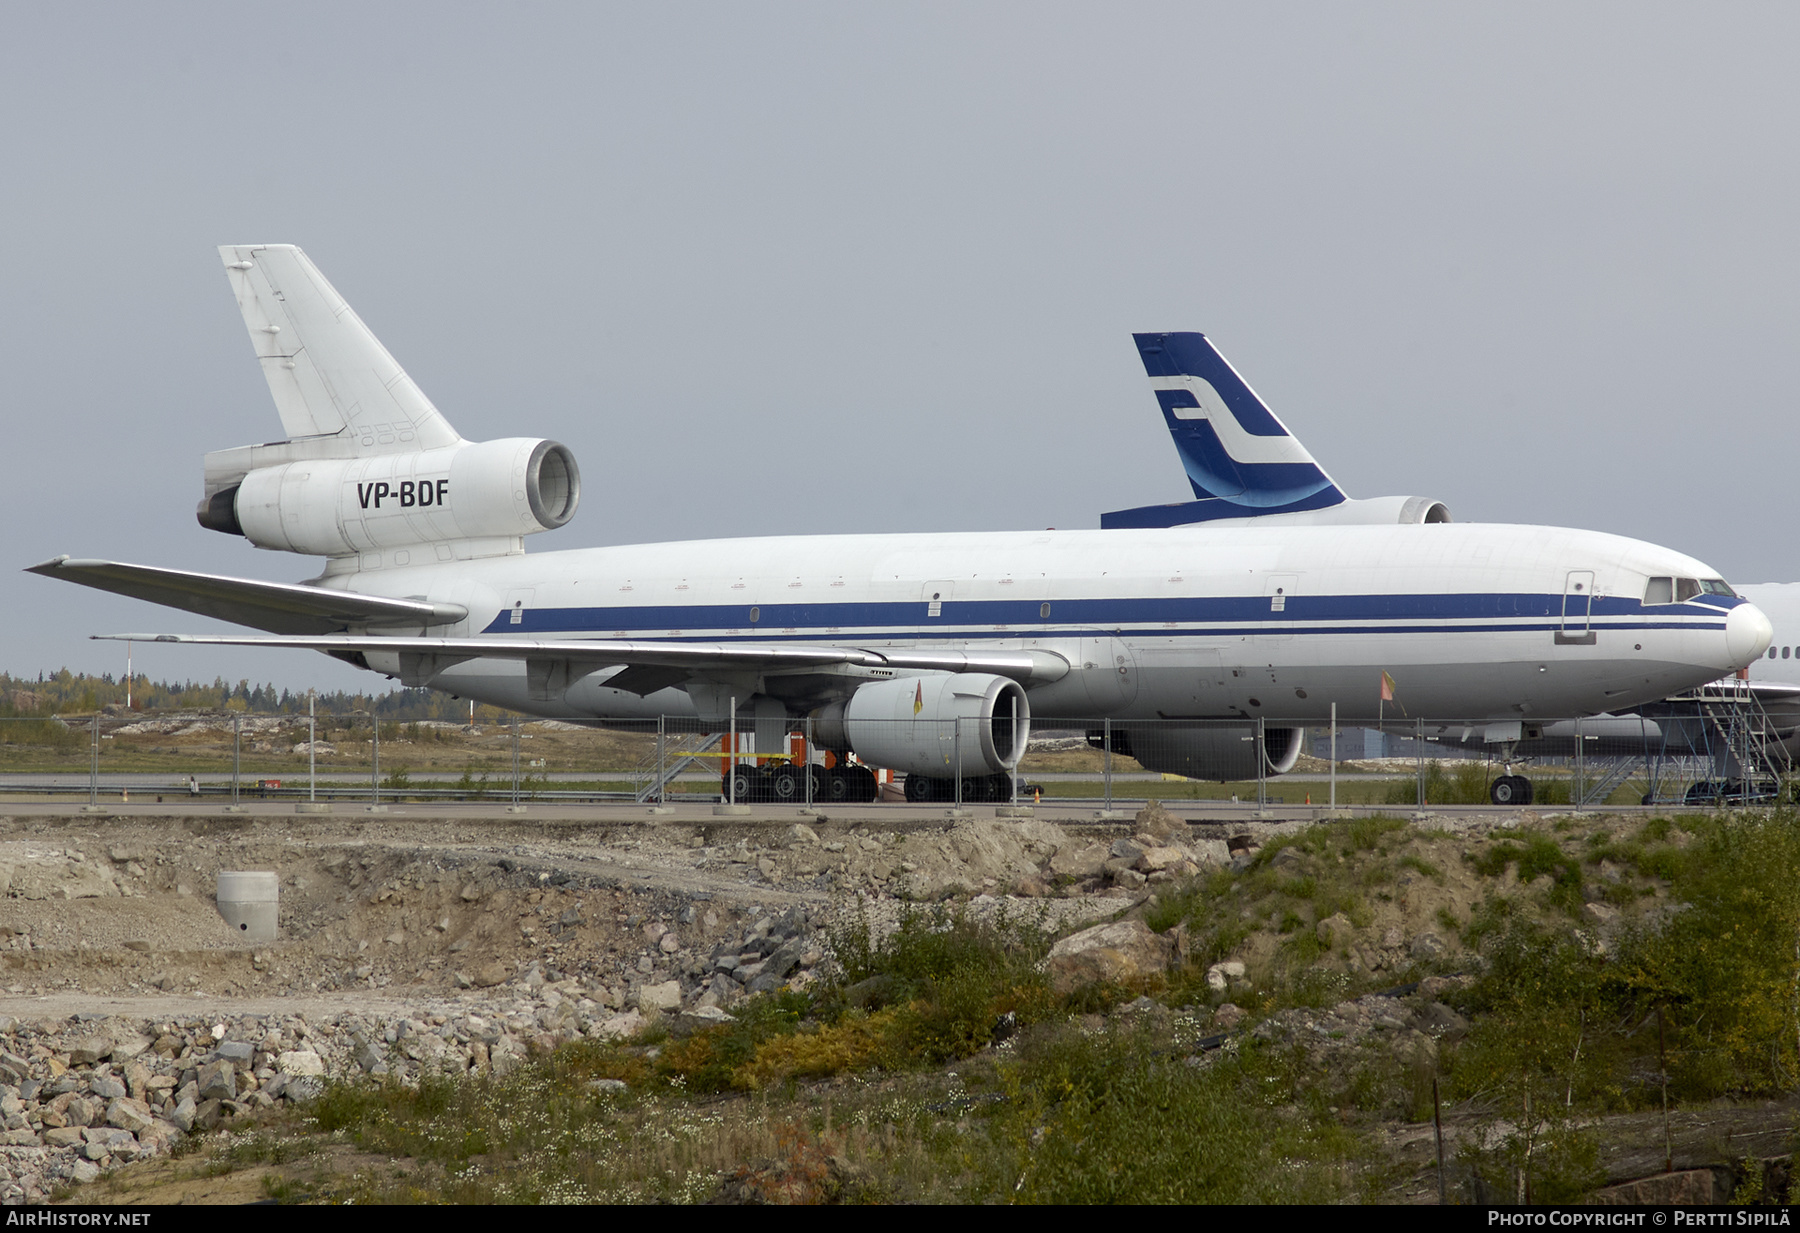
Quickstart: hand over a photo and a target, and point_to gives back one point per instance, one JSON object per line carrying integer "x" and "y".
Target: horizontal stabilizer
{"x": 279, "y": 607}
{"x": 1240, "y": 459}
{"x": 1179, "y": 514}
{"x": 423, "y": 657}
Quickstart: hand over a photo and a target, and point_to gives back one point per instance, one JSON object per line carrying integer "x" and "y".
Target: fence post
{"x": 731, "y": 756}
{"x": 1333, "y": 757}
{"x": 1106, "y": 739}
{"x": 1419, "y": 741}
{"x": 806, "y": 763}
{"x": 515, "y": 734}
{"x": 312, "y": 746}
{"x": 94, "y": 763}
{"x": 662, "y": 785}
{"x": 1012, "y": 770}
{"x": 958, "y": 733}
{"x": 1262, "y": 756}
{"x": 237, "y": 747}
{"x": 374, "y": 759}
{"x": 1580, "y": 768}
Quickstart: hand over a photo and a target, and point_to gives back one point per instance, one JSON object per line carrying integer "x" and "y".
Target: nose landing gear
{"x": 1510, "y": 790}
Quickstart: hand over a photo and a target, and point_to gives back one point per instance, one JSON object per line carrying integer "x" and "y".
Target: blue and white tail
{"x": 1240, "y": 459}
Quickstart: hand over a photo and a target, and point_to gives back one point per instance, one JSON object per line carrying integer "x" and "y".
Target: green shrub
{"x": 1109, "y": 1119}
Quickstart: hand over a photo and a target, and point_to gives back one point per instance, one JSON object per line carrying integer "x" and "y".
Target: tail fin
{"x": 1240, "y": 459}
{"x": 329, "y": 375}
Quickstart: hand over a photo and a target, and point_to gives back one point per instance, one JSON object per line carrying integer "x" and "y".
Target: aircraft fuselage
{"x": 1469, "y": 620}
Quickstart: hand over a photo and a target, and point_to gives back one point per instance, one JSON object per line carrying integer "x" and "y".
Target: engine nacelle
{"x": 912, "y": 724}
{"x": 339, "y": 506}
{"x": 1367, "y": 512}
{"x": 1205, "y": 753}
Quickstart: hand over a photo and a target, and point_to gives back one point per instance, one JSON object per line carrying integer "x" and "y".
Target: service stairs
{"x": 1747, "y": 744}
{"x": 651, "y": 782}
{"x": 1731, "y": 736}
{"x": 1613, "y": 772}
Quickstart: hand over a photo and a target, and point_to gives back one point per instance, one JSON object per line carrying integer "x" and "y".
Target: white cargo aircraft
{"x": 1287, "y": 599}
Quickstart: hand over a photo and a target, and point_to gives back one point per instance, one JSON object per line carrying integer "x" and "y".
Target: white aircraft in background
{"x": 1288, "y": 599}
{"x": 1773, "y": 681}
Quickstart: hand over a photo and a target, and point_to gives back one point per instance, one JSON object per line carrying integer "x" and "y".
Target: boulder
{"x": 1335, "y": 931}
{"x": 666, "y": 996}
{"x": 1220, "y": 976}
{"x": 90, "y": 1050}
{"x": 619, "y": 1026}
{"x": 129, "y": 1115}
{"x": 1156, "y": 859}
{"x": 1079, "y": 859}
{"x": 1122, "y": 951}
{"x": 218, "y": 1081}
{"x": 300, "y": 1062}
{"x": 1158, "y": 823}
{"x": 1437, "y": 1019}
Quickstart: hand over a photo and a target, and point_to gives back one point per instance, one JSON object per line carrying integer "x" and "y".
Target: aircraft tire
{"x": 920, "y": 788}
{"x": 866, "y": 789}
{"x": 1505, "y": 791}
{"x": 837, "y": 784}
{"x": 784, "y": 785}
{"x": 748, "y": 786}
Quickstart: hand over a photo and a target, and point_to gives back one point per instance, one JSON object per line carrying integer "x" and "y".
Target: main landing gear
{"x": 785, "y": 784}
{"x": 977, "y": 790}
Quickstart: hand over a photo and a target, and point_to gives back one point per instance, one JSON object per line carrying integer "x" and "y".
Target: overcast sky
{"x": 787, "y": 268}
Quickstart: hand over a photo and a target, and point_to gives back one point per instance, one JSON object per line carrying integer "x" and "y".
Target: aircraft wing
{"x": 649, "y": 665}
{"x": 279, "y": 607}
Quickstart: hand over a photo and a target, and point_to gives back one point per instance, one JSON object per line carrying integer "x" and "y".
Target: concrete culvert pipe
{"x": 250, "y": 902}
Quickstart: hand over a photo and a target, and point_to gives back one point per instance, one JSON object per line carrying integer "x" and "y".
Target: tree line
{"x": 70, "y": 693}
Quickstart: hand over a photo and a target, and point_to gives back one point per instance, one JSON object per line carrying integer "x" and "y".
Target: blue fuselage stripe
{"x": 1227, "y": 616}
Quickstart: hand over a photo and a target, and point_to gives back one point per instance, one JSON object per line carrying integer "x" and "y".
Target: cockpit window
{"x": 1686, "y": 589}
{"x": 1660, "y": 591}
{"x": 1716, "y": 586}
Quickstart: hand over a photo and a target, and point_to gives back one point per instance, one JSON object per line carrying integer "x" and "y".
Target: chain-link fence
{"x": 1713, "y": 754}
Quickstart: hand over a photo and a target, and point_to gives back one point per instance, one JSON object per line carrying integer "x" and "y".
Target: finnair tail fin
{"x": 1240, "y": 459}
{"x": 330, "y": 376}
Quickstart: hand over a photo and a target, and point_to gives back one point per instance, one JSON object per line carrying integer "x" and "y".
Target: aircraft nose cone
{"x": 1747, "y": 634}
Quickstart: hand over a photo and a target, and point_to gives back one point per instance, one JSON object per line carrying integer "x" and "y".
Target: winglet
{"x": 1241, "y": 460}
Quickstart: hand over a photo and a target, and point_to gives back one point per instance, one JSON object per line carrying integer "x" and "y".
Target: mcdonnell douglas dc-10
{"x": 1281, "y": 598}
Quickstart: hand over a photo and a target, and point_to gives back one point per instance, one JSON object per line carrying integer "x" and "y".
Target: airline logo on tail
{"x": 1241, "y": 461}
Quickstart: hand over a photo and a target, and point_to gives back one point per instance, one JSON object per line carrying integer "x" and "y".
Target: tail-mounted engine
{"x": 339, "y": 506}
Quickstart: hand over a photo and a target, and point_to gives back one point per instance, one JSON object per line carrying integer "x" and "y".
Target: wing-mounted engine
{"x": 370, "y": 464}
{"x": 970, "y": 723}
{"x": 1220, "y": 753}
